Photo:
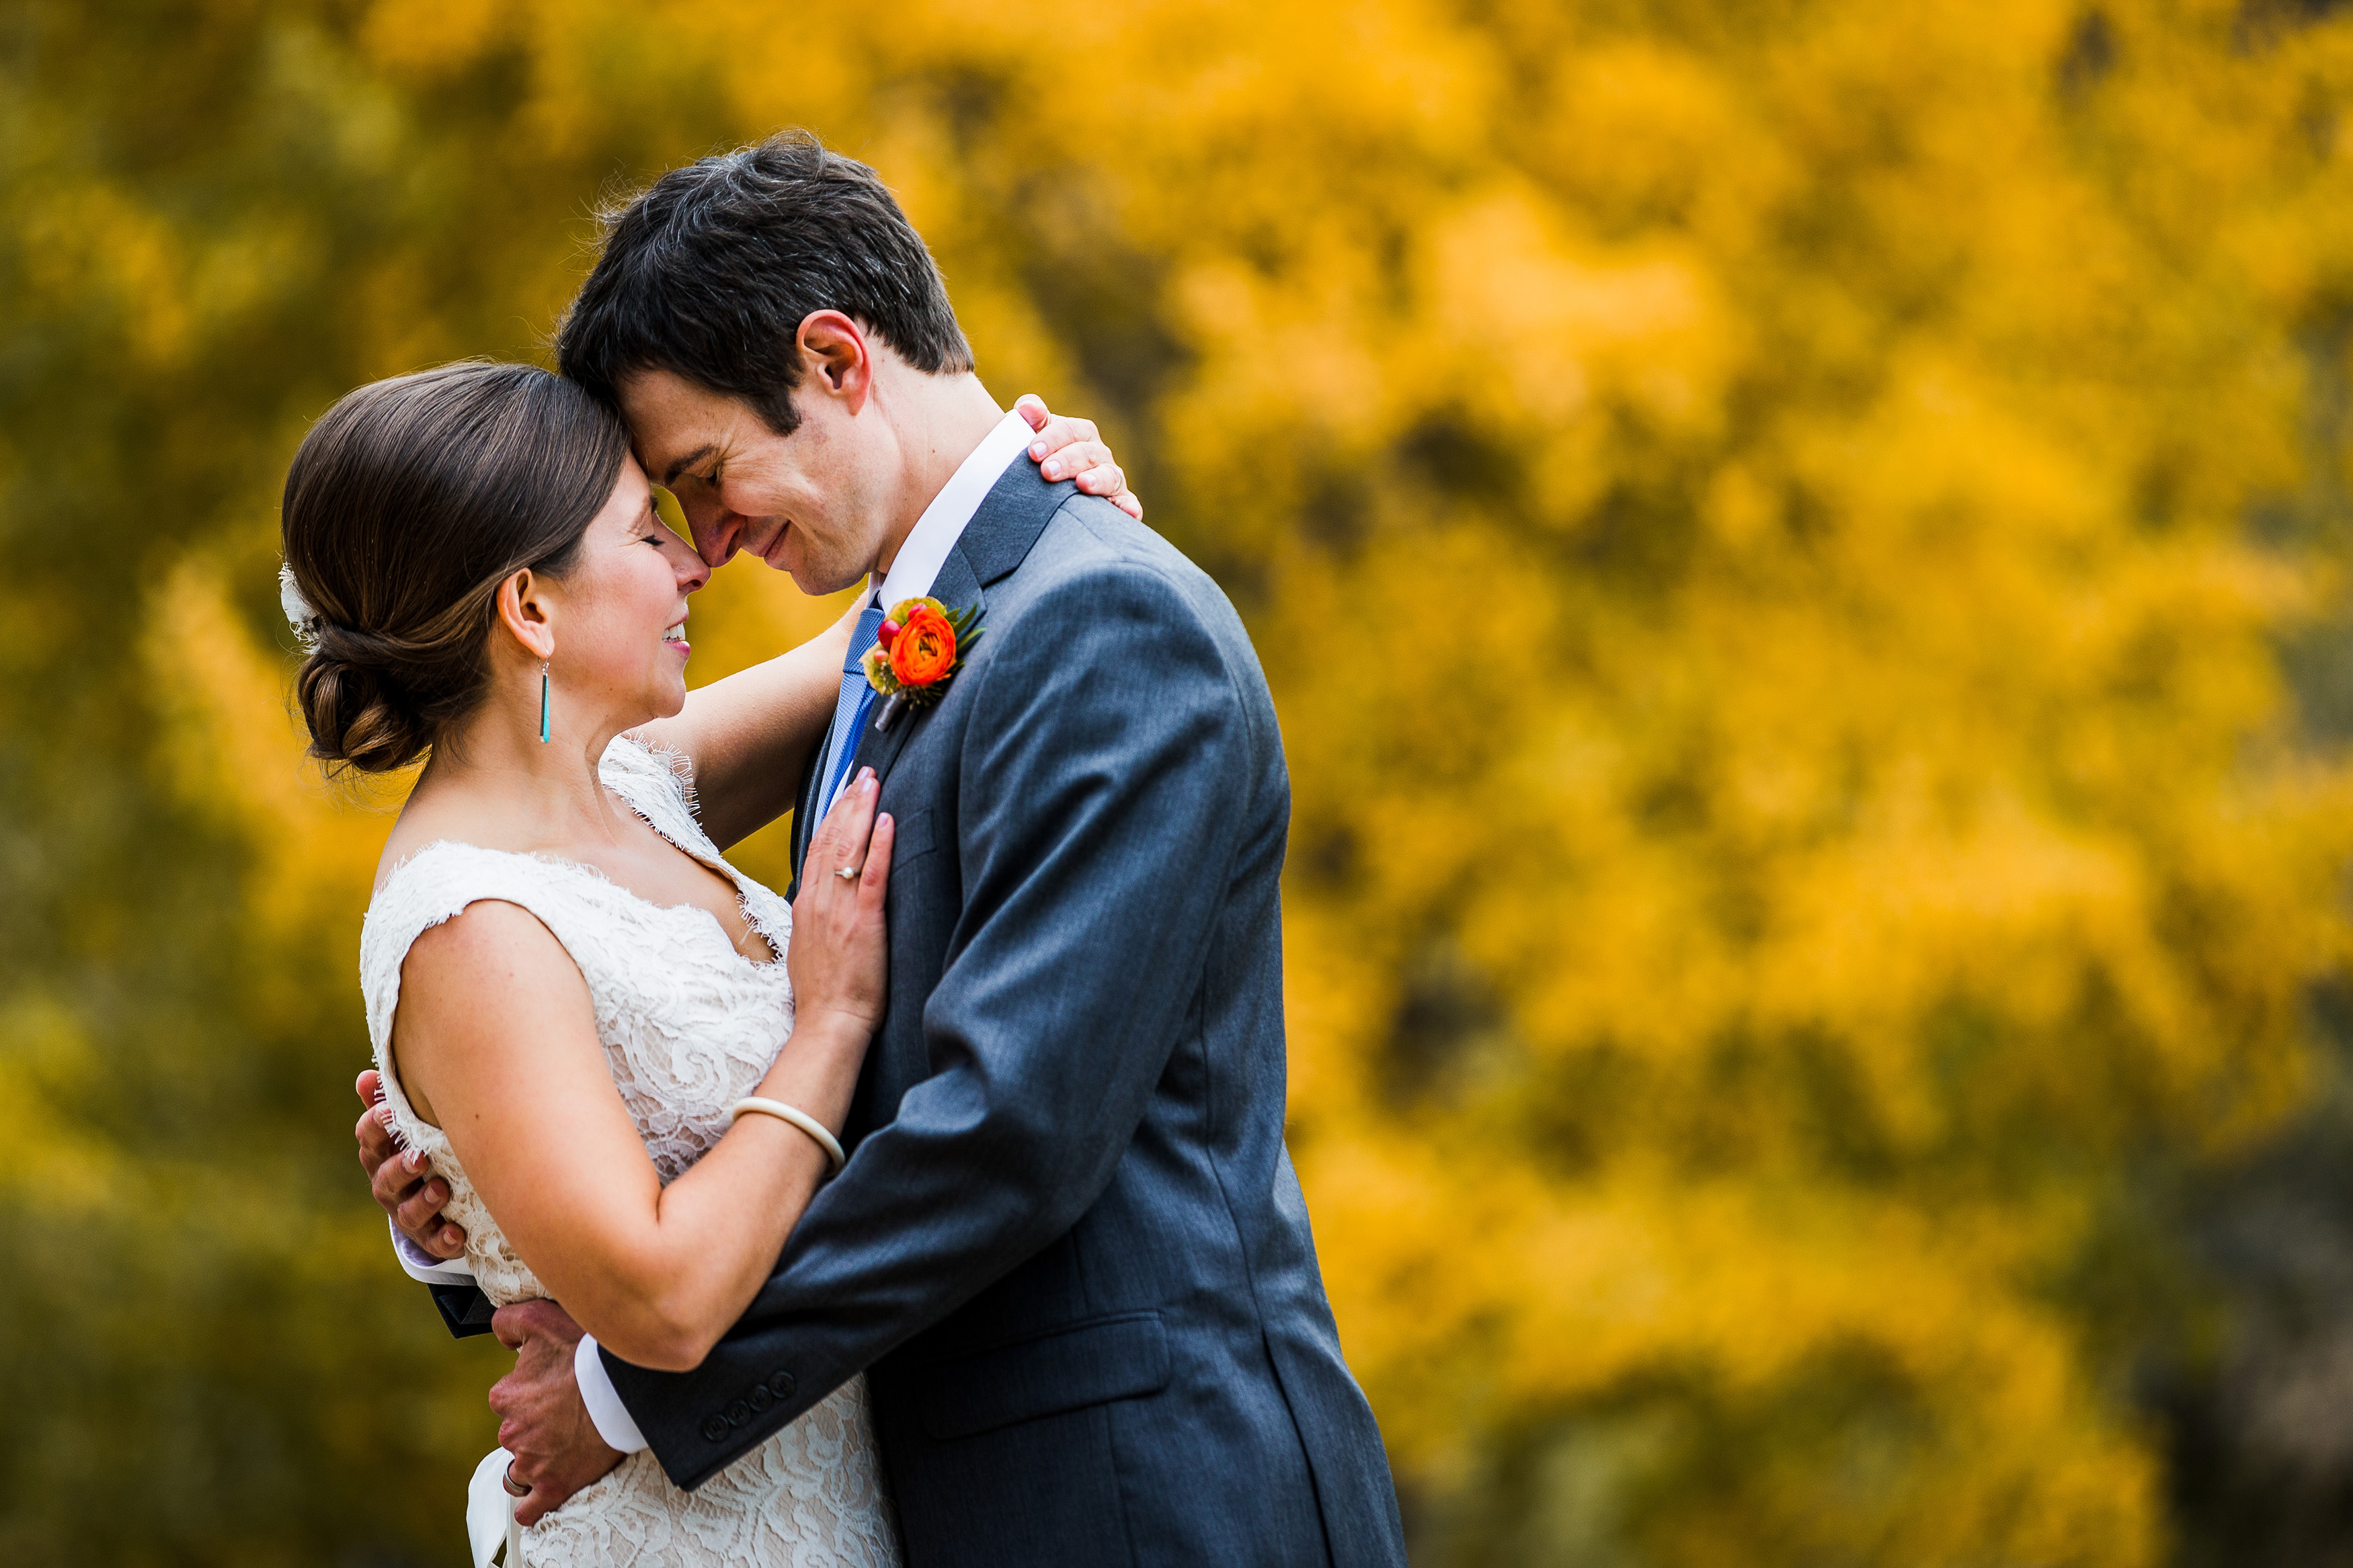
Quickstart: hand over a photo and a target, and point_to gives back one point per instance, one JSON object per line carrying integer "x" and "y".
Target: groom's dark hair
{"x": 709, "y": 272}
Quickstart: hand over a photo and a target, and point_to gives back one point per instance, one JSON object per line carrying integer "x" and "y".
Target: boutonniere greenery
{"x": 918, "y": 651}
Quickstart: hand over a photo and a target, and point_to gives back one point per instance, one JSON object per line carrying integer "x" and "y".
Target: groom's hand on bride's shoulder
{"x": 399, "y": 1182}
{"x": 542, "y": 1421}
{"x": 1070, "y": 448}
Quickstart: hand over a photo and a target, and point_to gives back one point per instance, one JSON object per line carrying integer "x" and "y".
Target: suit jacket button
{"x": 760, "y": 1398}
{"x": 715, "y": 1430}
{"x": 738, "y": 1413}
{"x": 780, "y": 1383}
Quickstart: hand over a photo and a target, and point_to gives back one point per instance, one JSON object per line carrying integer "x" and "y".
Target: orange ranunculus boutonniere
{"x": 922, "y": 645}
{"x": 924, "y": 648}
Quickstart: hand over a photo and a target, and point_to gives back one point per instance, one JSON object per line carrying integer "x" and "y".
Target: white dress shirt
{"x": 913, "y": 570}
{"x": 925, "y": 549}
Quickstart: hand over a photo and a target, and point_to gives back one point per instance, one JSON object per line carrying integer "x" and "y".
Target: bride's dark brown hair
{"x": 408, "y": 503}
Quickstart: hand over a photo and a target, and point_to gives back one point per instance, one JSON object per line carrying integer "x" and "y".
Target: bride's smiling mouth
{"x": 676, "y": 636}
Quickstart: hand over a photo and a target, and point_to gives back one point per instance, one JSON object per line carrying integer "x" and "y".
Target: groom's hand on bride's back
{"x": 399, "y": 1182}
{"x": 542, "y": 1421}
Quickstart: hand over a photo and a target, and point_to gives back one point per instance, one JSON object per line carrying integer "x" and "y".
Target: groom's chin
{"x": 781, "y": 556}
{"x": 818, "y": 579}
{"x": 780, "y": 561}
{"x": 804, "y": 577}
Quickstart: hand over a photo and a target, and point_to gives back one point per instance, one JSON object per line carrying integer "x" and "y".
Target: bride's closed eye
{"x": 653, "y": 527}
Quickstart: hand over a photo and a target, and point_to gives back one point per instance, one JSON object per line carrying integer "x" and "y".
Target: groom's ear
{"x": 837, "y": 360}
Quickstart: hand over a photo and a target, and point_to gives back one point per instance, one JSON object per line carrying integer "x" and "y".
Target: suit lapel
{"x": 1011, "y": 517}
{"x": 805, "y": 810}
{"x": 999, "y": 539}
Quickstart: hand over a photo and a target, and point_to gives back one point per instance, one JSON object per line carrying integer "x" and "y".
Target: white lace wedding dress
{"x": 689, "y": 1026}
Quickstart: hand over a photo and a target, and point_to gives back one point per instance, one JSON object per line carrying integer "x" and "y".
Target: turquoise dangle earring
{"x": 543, "y": 702}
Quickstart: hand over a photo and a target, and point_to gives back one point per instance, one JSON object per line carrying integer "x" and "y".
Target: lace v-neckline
{"x": 679, "y": 794}
{"x": 596, "y": 874}
{"x": 717, "y": 864}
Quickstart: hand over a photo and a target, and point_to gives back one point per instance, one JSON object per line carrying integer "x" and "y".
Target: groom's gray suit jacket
{"x": 1069, "y": 1248}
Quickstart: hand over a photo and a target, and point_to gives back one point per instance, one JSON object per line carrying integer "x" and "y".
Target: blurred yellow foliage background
{"x": 1801, "y": 549}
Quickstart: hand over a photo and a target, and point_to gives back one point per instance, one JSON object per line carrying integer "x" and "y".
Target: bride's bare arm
{"x": 497, "y": 1044}
{"x": 750, "y": 735}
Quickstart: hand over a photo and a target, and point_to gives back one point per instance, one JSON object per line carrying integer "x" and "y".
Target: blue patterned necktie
{"x": 850, "y": 709}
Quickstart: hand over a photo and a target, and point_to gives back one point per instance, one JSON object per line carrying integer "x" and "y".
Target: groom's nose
{"x": 717, "y": 539}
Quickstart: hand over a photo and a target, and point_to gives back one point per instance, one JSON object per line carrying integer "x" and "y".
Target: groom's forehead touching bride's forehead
{"x": 678, "y": 428}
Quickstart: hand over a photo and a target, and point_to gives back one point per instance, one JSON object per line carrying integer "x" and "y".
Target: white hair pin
{"x": 298, "y": 612}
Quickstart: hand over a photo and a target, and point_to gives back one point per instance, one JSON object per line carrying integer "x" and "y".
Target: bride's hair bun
{"x": 406, "y": 505}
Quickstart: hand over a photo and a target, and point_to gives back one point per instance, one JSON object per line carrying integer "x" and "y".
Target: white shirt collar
{"x": 925, "y": 550}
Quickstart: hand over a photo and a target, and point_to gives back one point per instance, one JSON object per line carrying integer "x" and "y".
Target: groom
{"x": 1068, "y": 1250}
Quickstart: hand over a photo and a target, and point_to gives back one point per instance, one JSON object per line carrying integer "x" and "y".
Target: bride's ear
{"x": 523, "y": 611}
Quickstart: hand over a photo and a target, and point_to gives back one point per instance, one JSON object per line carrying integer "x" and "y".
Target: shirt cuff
{"x": 421, "y": 1264}
{"x": 605, "y": 1412}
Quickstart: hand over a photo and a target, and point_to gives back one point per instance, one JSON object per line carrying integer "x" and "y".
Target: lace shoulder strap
{"x": 658, "y": 784}
{"x": 437, "y": 883}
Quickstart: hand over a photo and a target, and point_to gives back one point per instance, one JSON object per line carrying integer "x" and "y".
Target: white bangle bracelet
{"x": 800, "y": 1118}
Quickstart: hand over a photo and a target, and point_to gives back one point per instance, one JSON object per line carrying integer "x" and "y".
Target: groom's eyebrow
{"x": 670, "y": 474}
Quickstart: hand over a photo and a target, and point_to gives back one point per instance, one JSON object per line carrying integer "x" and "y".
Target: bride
{"x": 627, "y": 1061}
